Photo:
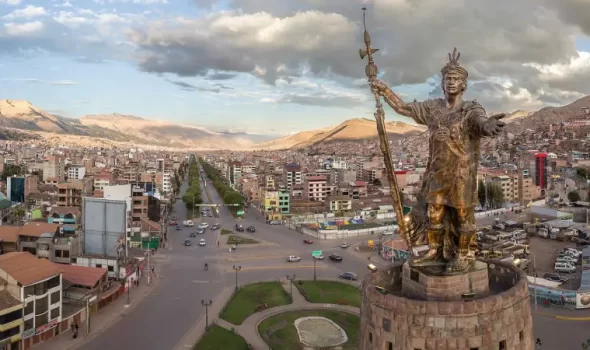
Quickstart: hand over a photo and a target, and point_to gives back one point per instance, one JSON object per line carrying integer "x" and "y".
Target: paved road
{"x": 164, "y": 317}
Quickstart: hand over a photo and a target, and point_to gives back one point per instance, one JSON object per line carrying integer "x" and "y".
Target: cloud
{"x": 136, "y": 2}
{"x": 23, "y": 29}
{"x": 220, "y": 76}
{"x": 48, "y": 82}
{"x": 190, "y": 87}
{"x": 27, "y": 12}
{"x": 11, "y": 2}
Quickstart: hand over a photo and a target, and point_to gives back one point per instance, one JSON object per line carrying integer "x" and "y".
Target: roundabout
{"x": 300, "y": 324}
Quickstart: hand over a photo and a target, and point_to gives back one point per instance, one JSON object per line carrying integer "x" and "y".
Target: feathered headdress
{"x": 454, "y": 66}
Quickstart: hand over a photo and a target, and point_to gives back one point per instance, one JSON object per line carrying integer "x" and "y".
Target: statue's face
{"x": 453, "y": 83}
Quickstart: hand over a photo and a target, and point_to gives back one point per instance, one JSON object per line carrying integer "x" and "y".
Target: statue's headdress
{"x": 454, "y": 66}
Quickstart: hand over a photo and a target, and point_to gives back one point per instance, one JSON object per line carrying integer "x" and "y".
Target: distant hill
{"x": 550, "y": 115}
{"x": 19, "y": 114}
{"x": 352, "y": 129}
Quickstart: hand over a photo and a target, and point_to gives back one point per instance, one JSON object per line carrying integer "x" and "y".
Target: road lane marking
{"x": 258, "y": 257}
{"x": 283, "y": 267}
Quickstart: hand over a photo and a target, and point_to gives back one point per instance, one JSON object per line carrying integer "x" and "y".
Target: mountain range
{"x": 20, "y": 119}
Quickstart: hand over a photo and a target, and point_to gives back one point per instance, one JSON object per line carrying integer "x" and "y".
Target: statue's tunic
{"x": 455, "y": 134}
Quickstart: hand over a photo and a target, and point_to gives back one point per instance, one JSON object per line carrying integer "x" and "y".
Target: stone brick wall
{"x": 421, "y": 286}
{"x": 498, "y": 321}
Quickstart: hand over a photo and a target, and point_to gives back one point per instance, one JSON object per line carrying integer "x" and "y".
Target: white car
{"x": 293, "y": 258}
{"x": 344, "y": 245}
{"x": 203, "y": 225}
{"x": 319, "y": 257}
{"x": 202, "y": 242}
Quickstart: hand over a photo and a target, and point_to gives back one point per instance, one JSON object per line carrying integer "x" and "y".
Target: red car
{"x": 307, "y": 241}
{"x": 172, "y": 223}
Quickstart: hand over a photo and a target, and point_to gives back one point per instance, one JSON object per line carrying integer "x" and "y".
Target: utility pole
{"x": 149, "y": 279}
{"x": 314, "y": 272}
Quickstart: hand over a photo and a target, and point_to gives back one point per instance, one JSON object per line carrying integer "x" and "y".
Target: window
{"x": 474, "y": 349}
{"x": 28, "y": 324}
{"x": 41, "y": 319}
{"x": 65, "y": 253}
{"x": 99, "y": 265}
{"x": 387, "y": 325}
{"x": 11, "y": 316}
{"x": 502, "y": 345}
{"x": 29, "y": 308}
{"x": 41, "y": 288}
{"x": 41, "y": 305}
{"x": 29, "y": 290}
{"x": 521, "y": 335}
{"x": 55, "y": 297}
{"x": 370, "y": 337}
{"x": 54, "y": 313}
{"x": 54, "y": 282}
{"x": 10, "y": 332}
{"x": 389, "y": 345}
{"x": 111, "y": 268}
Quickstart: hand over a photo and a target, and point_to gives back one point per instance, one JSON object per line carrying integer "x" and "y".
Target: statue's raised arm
{"x": 393, "y": 100}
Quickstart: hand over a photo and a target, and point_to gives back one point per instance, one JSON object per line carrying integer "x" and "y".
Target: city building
{"x": 102, "y": 180}
{"x": 541, "y": 176}
{"x": 292, "y": 175}
{"x": 317, "y": 188}
{"x": 340, "y": 203}
{"x": 54, "y": 168}
{"x": 70, "y": 194}
{"x": 76, "y": 172}
{"x": 37, "y": 285}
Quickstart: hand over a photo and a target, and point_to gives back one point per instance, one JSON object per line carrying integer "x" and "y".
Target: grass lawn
{"x": 330, "y": 292}
{"x": 220, "y": 338}
{"x": 280, "y": 333}
{"x": 225, "y": 231}
{"x": 245, "y": 301}
{"x": 234, "y": 239}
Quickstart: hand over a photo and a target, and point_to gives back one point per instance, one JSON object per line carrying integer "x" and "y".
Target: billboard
{"x": 16, "y": 189}
{"x": 104, "y": 223}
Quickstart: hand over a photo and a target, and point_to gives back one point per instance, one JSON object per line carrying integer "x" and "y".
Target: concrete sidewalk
{"x": 561, "y": 313}
{"x": 108, "y": 316}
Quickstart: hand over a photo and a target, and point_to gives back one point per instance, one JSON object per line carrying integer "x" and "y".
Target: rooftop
{"x": 7, "y": 300}
{"x": 36, "y": 229}
{"x": 26, "y": 268}
{"x": 82, "y": 275}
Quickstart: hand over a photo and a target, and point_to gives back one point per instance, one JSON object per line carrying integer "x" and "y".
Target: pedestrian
{"x": 77, "y": 327}
{"x": 217, "y": 244}
{"x": 72, "y": 327}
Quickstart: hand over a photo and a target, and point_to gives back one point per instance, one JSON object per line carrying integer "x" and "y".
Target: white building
{"x": 166, "y": 182}
{"x": 76, "y": 172}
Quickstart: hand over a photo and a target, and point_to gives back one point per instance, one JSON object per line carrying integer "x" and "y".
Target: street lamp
{"x": 236, "y": 269}
{"x": 206, "y": 305}
{"x": 291, "y": 279}
{"x": 314, "y": 273}
{"x": 128, "y": 293}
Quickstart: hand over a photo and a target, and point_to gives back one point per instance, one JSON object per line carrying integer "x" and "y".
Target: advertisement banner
{"x": 582, "y": 300}
{"x": 553, "y": 296}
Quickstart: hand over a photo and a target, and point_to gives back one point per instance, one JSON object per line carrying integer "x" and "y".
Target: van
{"x": 566, "y": 259}
{"x": 564, "y": 267}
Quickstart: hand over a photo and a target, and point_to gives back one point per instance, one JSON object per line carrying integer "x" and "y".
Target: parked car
{"x": 203, "y": 225}
{"x": 554, "y": 277}
{"x": 193, "y": 234}
{"x": 293, "y": 258}
{"x": 319, "y": 257}
{"x": 251, "y": 229}
{"x": 335, "y": 257}
{"x": 274, "y": 222}
{"x": 348, "y": 276}
{"x": 307, "y": 241}
{"x": 188, "y": 242}
{"x": 178, "y": 228}
{"x": 215, "y": 227}
{"x": 239, "y": 228}
{"x": 344, "y": 245}
{"x": 202, "y": 242}
{"x": 200, "y": 231}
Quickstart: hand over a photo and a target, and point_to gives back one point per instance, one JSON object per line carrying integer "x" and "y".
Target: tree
{"x": 573, "y": 196}
{"x": 481, "y": 193}
{"x": 490, "y": 194}
{"x": 582, "y": 172}
{"x": 9, "y": 170}
{"x": 377, "y": 182}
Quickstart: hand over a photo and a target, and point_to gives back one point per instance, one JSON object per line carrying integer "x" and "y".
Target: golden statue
{"x": 444, "y": 217}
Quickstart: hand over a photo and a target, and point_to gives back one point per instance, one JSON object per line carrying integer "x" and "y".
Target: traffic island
{"x": 237, "y": 240}
{"x": 253, "y": 298}
{"x": 325, "y": 329}
{"x": 330, "y": 292}
{"x": 216, "y": 338}
{"x": 225, "y": 231}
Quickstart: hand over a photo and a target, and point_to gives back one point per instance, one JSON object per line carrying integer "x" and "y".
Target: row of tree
{"x": 490, "y": 195}
{"x": 229, "y": 195}
{"x": 193, "y": 195}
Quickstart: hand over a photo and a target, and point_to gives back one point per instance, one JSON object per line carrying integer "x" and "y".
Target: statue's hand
{"x": 493, "y": 125}
{"x": 379, "y": 88}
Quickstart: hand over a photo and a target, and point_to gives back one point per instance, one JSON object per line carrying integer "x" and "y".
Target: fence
{"x": 339, "y": 234}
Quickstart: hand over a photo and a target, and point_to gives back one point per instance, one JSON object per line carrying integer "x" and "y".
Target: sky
{"x": 279, "y": 67}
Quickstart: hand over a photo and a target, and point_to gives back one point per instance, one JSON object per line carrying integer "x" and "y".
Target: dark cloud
{"x": 190, "y": 87}
{"x": 322, "y": 100}
{"x": 220, "y": 76}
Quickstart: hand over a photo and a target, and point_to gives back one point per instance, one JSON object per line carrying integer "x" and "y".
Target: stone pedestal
{"x": 417, "y": 283}
{"x": 498, "y": 319}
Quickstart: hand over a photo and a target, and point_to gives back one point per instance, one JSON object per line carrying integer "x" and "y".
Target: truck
{"x": 188, "y": 223}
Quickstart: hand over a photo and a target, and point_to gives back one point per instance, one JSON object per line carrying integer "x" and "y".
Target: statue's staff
{"x": 371, "y": 70}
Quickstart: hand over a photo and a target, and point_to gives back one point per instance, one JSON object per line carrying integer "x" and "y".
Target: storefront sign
{"x": 46, "y": 326}
{"x": 582, "y": 300}
{"x": 28, "y": 333}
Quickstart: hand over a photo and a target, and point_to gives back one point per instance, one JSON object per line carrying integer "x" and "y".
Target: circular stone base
{"x": 319, "y": 332}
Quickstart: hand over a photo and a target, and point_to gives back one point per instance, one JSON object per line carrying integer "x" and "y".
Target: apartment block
{"x": 76, "y": 172}
{"x": 317, "y": 188}
{"x": 292, "y": 175}
{"x": 54, "y": 168}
